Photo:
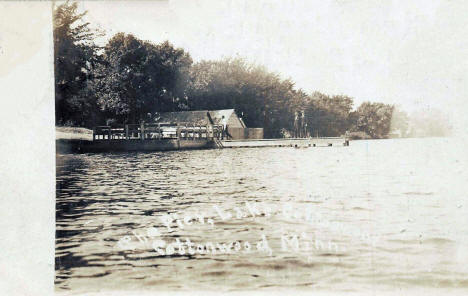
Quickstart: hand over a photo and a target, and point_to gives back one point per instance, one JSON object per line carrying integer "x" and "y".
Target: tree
{"x": 140, "y": 77}
{"x": 75, "y": 56}
{"x": 329, "y": 116}
{"x": 429, "y": 122}
{"x": 374, "y": 119}
{"x": 399, "y": 122}
{"x": 260, "y": 97}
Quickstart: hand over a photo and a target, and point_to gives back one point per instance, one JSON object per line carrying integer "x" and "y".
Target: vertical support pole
{"x": 126, "y": 131}
{"x": 178, "y": 134}
{"x": 142, "y": 131}
{"x": 109, "y": 132}
{"x": 94, "y": 133}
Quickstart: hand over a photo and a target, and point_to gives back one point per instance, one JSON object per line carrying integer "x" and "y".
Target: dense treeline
{"x": 129, "y": 80}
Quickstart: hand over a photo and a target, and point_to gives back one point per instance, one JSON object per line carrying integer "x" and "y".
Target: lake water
{"x": 377, "y": 215}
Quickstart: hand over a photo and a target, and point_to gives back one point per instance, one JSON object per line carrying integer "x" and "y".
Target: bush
{"x": 358, "y": 136}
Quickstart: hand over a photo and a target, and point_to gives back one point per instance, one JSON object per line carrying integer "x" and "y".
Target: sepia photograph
{"x": 248, "y": 147}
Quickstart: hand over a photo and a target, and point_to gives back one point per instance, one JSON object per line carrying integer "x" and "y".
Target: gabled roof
{"x": 199, "y": 117}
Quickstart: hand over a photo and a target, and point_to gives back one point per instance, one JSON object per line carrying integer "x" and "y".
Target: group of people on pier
{"x": 300, "y": 125}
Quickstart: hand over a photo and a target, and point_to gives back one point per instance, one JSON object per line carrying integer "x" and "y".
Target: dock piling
{"x": 142, "y": 131}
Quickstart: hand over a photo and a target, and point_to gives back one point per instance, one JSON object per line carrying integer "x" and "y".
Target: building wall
{"x": 240, "y": 133}
{"x": 254, "y": 133}
{"x": 234, "y": 122}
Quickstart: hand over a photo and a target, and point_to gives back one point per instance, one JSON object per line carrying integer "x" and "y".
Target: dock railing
{"x": 157, "y": 131}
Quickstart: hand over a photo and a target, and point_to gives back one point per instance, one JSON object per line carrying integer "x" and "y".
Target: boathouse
{"x": 235, "y": 126}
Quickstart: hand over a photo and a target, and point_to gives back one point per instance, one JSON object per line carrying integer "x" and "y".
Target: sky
{"x": 410, "y": 53}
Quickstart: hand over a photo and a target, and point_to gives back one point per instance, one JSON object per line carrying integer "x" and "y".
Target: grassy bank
{"x": 73, "y": 133}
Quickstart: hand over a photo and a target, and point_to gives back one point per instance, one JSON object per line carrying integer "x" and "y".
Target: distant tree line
{"x": 129, "y": 80}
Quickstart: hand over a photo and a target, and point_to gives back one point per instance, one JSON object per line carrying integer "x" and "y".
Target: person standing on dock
{"x": 296, "y": 124}
{"x": 225, "y": 129}
{"x": 303, "y": 125}
{"x": 224, "y": 133}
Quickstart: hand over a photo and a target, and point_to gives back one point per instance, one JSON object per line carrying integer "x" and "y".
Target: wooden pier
{"x": 177, "y": 136}
{"x": 293, "y": 142}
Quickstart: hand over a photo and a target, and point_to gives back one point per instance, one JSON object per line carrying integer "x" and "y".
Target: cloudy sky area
{"x": 411, "y": 53}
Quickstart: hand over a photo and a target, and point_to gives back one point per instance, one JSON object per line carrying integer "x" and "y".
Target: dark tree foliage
{"x": 260, "y": 97}
{"x": 329, "y": 116}
{"x": 75, "y": 57}
{"x": 374, "y": 119}
{"x": 140, "y": 77}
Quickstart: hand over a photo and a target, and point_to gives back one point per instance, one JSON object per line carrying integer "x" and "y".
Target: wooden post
{"x": 142, "y": 131}
{"x": 109, "y": 132}
{"x": 126, "y": 131}
{"x": 94, "y": 133}
{"x": 178, "y": 131}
